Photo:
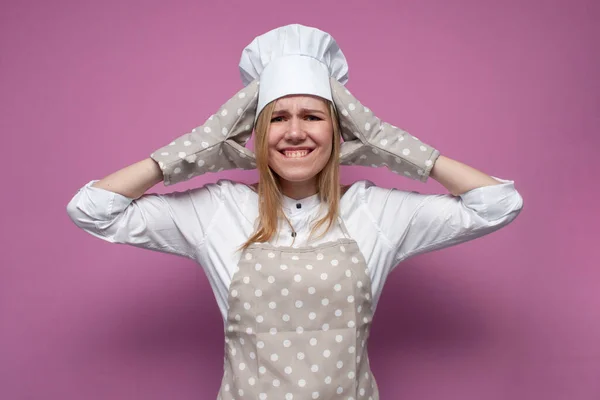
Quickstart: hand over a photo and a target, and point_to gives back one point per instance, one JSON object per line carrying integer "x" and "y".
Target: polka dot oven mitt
{"x": 370, "y": 142}
{"x": 215, "y": 146}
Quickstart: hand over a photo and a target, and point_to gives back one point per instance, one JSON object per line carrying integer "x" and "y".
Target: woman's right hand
{"x": 215, "y": 146}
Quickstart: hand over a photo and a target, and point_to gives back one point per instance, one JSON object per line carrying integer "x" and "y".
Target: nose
{"x": 295, "y": 132}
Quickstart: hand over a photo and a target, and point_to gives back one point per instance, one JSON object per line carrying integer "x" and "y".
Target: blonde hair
{"x": 270, "y": 208}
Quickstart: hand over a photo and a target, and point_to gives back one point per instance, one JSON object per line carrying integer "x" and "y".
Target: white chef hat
{"x": 293, "y": 59}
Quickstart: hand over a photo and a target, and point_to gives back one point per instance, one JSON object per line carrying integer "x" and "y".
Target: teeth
{"x": 296, "y": 154}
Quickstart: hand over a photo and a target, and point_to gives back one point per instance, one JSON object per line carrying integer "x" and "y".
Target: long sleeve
{"x": 413, "y": 223}
{"x": 175, "y": 223}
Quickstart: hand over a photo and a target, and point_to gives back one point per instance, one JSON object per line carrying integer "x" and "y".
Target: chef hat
{"x": 293, "y": 59}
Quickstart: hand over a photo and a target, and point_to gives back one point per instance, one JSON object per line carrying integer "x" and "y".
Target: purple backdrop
{"x": 510, "y": 88}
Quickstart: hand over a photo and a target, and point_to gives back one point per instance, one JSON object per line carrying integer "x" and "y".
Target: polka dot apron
{"x": 298, "y": 324}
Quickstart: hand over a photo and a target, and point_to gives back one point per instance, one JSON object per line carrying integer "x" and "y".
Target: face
{"x": 300, "y": 138}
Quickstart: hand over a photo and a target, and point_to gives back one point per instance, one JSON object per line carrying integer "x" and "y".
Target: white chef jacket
{"x": 207, "y": 224}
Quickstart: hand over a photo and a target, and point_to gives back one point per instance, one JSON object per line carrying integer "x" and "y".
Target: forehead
{"x": 298, "y": 101}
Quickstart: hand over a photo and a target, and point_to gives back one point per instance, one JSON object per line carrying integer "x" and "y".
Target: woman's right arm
{"x": 116, "y": 209}
{"x": 132, "y": 181}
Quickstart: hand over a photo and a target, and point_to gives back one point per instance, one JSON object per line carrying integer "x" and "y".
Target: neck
{"x": 299, "y": 190}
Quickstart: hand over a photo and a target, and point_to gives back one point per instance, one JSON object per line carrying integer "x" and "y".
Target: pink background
{"x": 508, "y": 87}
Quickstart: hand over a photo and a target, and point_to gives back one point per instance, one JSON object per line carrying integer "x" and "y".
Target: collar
{"x": 298, "y": 205}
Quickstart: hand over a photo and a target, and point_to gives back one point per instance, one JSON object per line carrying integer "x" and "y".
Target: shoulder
{"x": 222, "y": 190}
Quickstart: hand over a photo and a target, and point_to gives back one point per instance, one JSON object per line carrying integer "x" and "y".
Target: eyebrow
{"x": 302, "y": 111}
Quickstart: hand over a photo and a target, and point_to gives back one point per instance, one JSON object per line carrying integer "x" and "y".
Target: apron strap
{"x": 343, "y": 227}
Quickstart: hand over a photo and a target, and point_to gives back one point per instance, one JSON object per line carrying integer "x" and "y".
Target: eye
{"x": 277, "y": 119}
{"x": 313, "y": 118}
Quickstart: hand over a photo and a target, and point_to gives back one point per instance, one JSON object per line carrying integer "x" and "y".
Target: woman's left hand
{"x": 370, "y": 142}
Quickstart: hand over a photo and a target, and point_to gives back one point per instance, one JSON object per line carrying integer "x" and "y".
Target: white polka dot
{"x": 309, "y": 267}
{"x": 260, "y": 344}
{"x": 362, "y": 391}
{"x": 312, "y": 316}
{"x": 367, "y": 126}
{"x": 251, "y": 381}
{"x": 315, "y": 395}
{"x": 340, "y": 390}
{"x": 233, "y": 351}
{"x": 299, "y": 330}
{"x": 252, "y": 355}
{"x": 359, "y": 309}
{"x": 383, "y": 142}
{"x": 241, "y": 392}
{"x": 298, "y": 303}
{"x": 319, "y": 256}
{"x": 276, "y": 382}
{"x": 283, "y": 267}
{"x": 428, "y": 162}
{"x": 247, "y": 127}
{"x": 273, "y": 331}
{"x": 338, "y": 313}
{"x": 355, "y": 260}
{"x": 271, "y": 255}
{"x": 284, "y": 292}
{"x": 262, "y": 370}
{"x": 224, "y": 112}
{"x": 334, "y": 262}
{"x": 337, "y": 287}
{"x": 274, "y": 357}
{"x": 297, "y": 277}
{"x": 224, "y": 131}
{"x": 314, "y": 368}
{"x": 324, "y": 276}
{"x": 325, "y": 301}
{"x": 342, "y": 249}
{"x": 242, "y": 366}
{"x": 375, "y": 151}
{"x": 351, "y": 349}
{"x": 326, "y": 353}
{"x": 366, "y": 320}
{"x": 351, "y": 106}
{"x": 240, "y": 111}
{"x": 287, "y": 343}
{"x": 259, "y": 318}
{"x": 262, "y": 396}
{"x": 339, "y": 338}
{"x": 348, "y": 273}
{"x": 249, "y": 331}
{"x": 200, "y": 163}
{"x": 257, "y": 266}
{"x": 301, "y": 383}
{"x": 350, "y": 299}
{"x": 247, "y": 306}
{"x": 423, "y": 148}
{"x": 238, "y": 317}
{"x": 204, "y": 144}
{"x": 271, "y": 279}
{"x": 344, "y": 113}
{"x": 295, "y": 258}
{"x": 351, "y": 324}
{"x": 311, "y": 290}
{"x": 272, "y": 305}
{"x": 289, "y": 396}
{"x": 285, "y": 317}
{"x": 207, "y": 129}
{"x": 288, "y": 370}
{"x": 325, "y": 327}
{"x": 300, "y": 355}
{"x": 313, "y": 341}
{"x": 339, "y": 364}
{"x": 172, "y": 143}
{"x": 181, "y": 155}
{"x": 359, "y": 284}
{"x": 406, "y": 152}
{"x": 242, "y": 95}
{"x": 246, "y": 279}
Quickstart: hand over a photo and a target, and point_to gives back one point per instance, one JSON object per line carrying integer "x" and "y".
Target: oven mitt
{"x": 370, "y": 142}
{"x": 215, "y": 146}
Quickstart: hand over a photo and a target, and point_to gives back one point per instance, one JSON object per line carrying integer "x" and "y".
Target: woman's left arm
{"x": 459, "y": 178}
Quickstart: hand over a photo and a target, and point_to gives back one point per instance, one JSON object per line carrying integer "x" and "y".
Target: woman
{"x": 296, "y": 262}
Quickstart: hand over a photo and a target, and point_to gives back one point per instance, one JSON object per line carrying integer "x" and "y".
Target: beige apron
{"x": 298, "y": 324}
